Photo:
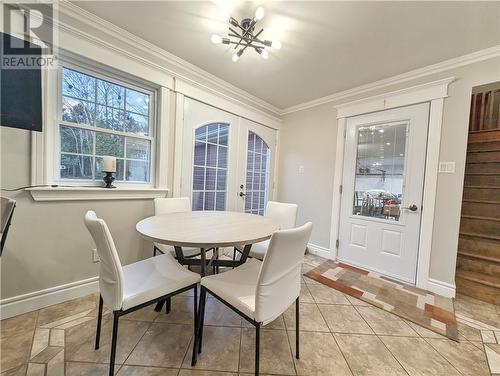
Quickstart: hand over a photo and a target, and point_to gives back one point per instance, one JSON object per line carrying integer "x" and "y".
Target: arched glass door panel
{"x": 257, "y": 179}
{"x": 210, "y": 167}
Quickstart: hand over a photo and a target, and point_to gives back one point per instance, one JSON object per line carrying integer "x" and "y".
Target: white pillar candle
{"x": 108, "y": 164}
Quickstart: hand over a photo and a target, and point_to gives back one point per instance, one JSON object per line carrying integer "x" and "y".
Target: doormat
{"x": 424, "y": 308}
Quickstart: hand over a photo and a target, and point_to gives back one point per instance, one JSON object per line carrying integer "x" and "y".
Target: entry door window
{"x": 257, "y": 178}
{"x": 210, "y": 167}
{"x": 380, "y": 167}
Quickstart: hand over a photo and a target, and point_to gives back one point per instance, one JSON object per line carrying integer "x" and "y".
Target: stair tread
{"x": 482, "y": 186}
{"x": 479, "y": 277}
{"x": 481, "y": 173}
{"x": 484, "y": 150}
{"x": 481, "y": 201}
{"x": 493, "y": 219}
{"x": 473, "y": 234}
{"x": 482, "y": 257}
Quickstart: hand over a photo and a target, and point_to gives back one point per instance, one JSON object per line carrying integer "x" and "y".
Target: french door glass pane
{"x": 257, "y": 175}
{"x": 210, "y": 167}
{"x": 380, "y": 168}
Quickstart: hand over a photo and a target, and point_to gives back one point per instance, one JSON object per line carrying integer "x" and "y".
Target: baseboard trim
{"x": 319, "y": 250}
{"x": 441, "y": 288}
{"x": 20, "y": 304}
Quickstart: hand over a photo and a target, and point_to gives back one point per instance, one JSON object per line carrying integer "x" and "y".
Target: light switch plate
{"x": 447, "y": 167}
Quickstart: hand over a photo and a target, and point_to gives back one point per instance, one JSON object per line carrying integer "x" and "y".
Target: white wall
{"x": 308, "y": 137}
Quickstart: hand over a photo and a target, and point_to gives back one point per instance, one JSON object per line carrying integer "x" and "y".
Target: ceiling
{"x": 327, "y": 46}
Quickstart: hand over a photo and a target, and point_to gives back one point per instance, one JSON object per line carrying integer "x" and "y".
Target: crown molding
{"x": 473, "y": 57}
{"x": 198, "y": 75}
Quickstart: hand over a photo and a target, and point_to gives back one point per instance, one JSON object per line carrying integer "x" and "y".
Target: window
{"x": 101, "y": 117}
{"x": 210, "y": 167}
{"x": 257, "y": 175}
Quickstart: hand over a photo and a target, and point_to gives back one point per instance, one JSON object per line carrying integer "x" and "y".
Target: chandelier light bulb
{"x": 264, "y": 54}
{"x": 259, "y": 14}
{"x": 276, "y": 44}
{"x": 216, "y": 39}
{"x": 235, "y": 57}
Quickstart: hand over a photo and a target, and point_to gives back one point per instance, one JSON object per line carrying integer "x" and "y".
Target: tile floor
{"x": 340, "y": 336}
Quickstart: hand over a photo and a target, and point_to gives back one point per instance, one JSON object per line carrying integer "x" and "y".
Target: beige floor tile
{"x": 195, "y": 372}
{"x": 305, "y": 295}
{"x": 344, "y": 319}
{"x": 80, "y": 341}
{"x": 477, "y": 309}
{"x": 47, "y": 354}
{"x": 19, "y": 371}
{"x": 383, "y": 322}
{"x": 69, "y": 308}
{"x": 40, "y": 341}
{"x": 424, "y": 332}
{"x": 468, "y": 332}
{"x": 56, "y": 337}
{"x": 35, "y": 369}
{"x": 367, "y": 355}
{"x": 146, "y": 371}
{"x": 147, "y": 314}
{"x": 275, "y": 354}
{"x": 87, "y": 369}
{"x": 163, "y": 345}
{"x": 319, "y": 355}
{"x": 310, "y": 318}
{"x": 311, "y": 282}
{"x": 217, "y": 313}
{"x": 278, "y": 323}
{"x": 356, "y": 302}
{"x": 418, "y": 357}
{"x": 493, "y": 356}
{"x": 180, "y": 313}
{"x": 17, "y": 324}
{"x": 326, "y": 295}
{"x": 15, "y": 350}
{"x": 55, "y": 367}
{"x": 219, "y": 351}
{"x": 464, "y": 356}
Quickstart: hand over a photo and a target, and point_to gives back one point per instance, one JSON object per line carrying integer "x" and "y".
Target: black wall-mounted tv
{"x": 21, "y": 89}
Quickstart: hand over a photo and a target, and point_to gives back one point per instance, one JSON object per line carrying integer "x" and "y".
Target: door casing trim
{"x": 433, "y": 92}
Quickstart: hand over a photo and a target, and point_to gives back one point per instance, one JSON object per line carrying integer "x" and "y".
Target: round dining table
{"x": 207, "y": 230}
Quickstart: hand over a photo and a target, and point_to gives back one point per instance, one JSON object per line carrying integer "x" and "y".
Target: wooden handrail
{"x": 485, "y": 111}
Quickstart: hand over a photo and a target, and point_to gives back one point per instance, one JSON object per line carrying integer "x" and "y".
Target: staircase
{"x": 478, "y": 262}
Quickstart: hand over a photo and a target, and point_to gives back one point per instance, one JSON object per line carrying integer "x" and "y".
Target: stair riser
{"x": 480, "y": 226}
{"x": 481, "y": 209}
{"x": 479, "y": 266}
{"x": 478, "y": 290}
{"x": 488, "y": 180}
{"x": 482, "y": 194}
{"x": 479, "y": 246}
{"x": 483, "y": 167}
{"x": 486, "y": 156}
{"x": 491, "y": 145}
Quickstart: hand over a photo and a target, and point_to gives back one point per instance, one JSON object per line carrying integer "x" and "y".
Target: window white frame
{"x": 434, "y": 93}
{"x": 46, "y": 150}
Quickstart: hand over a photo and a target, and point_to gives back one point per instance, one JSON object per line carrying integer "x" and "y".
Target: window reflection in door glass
{"x": 380, "y": 167}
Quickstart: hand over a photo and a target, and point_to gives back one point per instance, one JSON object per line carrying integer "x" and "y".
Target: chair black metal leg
{"x": 154, "y": 251}
{"x": 113, "y": 344}
{"x": 203, "y": 298}
{"x": 99, "y": 321}
{"x": 195, "y": 315}
{"x": 297, "y": 330}
{"x": 257, "y": 348}
{"x": 168, "y": 305}
{"x": 159, "y": 305}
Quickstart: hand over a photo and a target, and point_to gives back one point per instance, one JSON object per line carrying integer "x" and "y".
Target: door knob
{"x": 242, "y": 194}
{"x": 412, "y": 208}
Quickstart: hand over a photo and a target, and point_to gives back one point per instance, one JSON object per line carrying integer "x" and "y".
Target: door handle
{"x": 412, "y": 208}
{"x": 242, "y": 194}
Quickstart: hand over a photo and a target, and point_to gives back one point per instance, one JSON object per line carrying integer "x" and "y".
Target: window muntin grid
{"x": 257, "y": 179}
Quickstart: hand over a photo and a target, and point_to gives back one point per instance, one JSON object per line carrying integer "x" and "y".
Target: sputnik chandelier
{"x": 242, "y": 35}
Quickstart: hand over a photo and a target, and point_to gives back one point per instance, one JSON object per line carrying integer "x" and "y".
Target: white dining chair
{"x": 260, "y": 291}
{"x": 173, "y": 205}
{"x": 125, "y": 289}
{"x": 284, "y": 214}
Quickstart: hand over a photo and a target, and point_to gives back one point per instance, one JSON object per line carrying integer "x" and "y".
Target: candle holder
{"x": 109, "y": 179}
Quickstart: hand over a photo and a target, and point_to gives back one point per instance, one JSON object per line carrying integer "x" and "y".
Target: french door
{"x": 227, "y": 161}
{"x": 383, "y": 179}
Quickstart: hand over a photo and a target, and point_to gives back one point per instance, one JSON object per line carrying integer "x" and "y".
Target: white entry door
{"x": 383, "y": 178}
{"x": 227, "y": 161}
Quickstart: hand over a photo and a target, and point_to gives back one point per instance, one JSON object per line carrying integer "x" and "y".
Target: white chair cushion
{"x": 152, "y": 278}
{"x": 187, "y": 251}
{"x": 259, "y": 250}
{"x": 237, "y": 286}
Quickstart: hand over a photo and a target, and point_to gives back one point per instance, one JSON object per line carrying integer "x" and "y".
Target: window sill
{"x": 94, "y": 193}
